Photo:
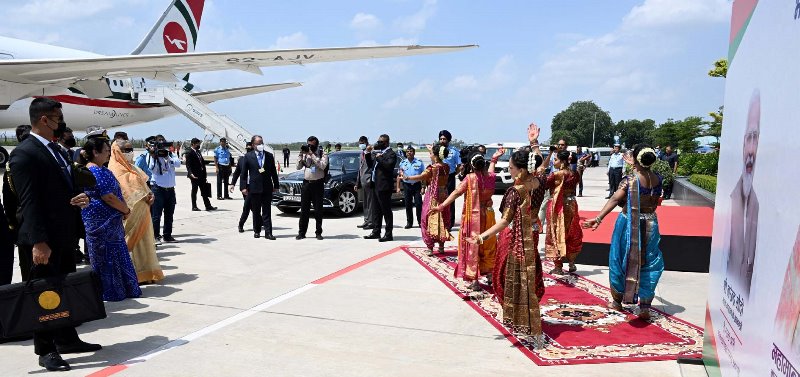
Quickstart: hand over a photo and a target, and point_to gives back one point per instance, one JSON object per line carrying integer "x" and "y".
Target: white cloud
{"x": 295, "y": 40}
{"x": 464, "y": 82}
{"x": 403, "y": 41}
{"x": 502, "y": 73}
{"x": 365, "y": 21}
{"x": 424, "y": 89}
{"x": 416, "y": 23}
{"x": 660, "y": 13}
{"x": 57, "y": 11}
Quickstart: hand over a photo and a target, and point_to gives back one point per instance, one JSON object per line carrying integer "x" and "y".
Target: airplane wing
{"x": 163, "y": 66}
{"x": 216, "y": 95}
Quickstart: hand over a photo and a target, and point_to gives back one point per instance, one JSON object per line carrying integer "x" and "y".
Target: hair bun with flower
{"x": 531, "y": 162}
{"x": 643, "y": 152}
{"x": 441, "y": 152}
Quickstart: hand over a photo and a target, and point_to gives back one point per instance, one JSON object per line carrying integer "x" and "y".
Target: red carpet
{"x": 672, "y": 221}
{"x": 579, "y": 327}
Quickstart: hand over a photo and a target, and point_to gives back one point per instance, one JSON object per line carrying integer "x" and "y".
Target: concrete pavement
{"x": 232, "y": 305}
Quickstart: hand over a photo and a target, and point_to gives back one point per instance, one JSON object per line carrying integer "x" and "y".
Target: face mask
{"x": 260, "y": 147}
{"x": 128, "y": 156}
{"x": 70, "y": 143}
{"x": 362, "y": 146}
{"x": 62, "y": 127}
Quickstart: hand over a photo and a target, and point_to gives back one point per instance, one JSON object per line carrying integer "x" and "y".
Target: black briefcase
{"x": 51, "y": 303}
{"x": 205, "y": 189}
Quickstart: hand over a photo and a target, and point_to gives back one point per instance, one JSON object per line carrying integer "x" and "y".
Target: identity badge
{"x": 261, "y": 170}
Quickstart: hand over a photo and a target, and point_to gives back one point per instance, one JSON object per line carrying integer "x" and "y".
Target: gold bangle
{"x": 480, "y": 239}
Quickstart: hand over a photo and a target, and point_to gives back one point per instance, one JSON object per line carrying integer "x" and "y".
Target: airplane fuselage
{"x": 79, "y": 110}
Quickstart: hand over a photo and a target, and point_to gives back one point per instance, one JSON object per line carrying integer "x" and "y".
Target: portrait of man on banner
{"x": 744, "y": 205}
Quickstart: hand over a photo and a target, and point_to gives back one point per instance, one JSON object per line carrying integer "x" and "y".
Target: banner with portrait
{"x": 753, "y": 312}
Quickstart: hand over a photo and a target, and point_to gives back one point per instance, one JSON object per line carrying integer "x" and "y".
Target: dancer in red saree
{"x": 564, "y": 238}
{"x": 523, "y": 285}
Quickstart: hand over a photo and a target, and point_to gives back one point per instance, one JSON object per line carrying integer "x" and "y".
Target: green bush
{"x": 698, "y": 163}
{"x": 706, "y": 182}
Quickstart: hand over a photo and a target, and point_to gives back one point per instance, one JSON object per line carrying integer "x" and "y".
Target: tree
{"x": 577, "y": 122}
{"x": 635, "y": 131}
{"x": 679, "y": 134}
{"x": 720, "y": 68}
{"x": 714, "y": 127}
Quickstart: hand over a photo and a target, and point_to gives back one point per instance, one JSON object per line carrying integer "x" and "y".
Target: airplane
{"x": 98, "y": 90}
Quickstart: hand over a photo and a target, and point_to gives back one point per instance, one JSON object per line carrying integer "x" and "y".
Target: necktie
{"x": 260, "y": 160}
{"x": 61, "y": 160}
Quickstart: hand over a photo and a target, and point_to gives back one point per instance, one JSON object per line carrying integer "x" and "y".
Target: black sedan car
{"x": 340, "y": 192}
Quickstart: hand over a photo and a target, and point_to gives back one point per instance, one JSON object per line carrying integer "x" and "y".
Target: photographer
{"x": 162, "y": 163}
{"x": 384, "y": 183}
{"x": 196, "y": 168}
{"x": 315, "y": 163}
{"x": 142, "y": 161}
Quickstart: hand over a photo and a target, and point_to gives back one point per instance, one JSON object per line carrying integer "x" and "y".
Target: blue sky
{"x": 636, "y": 59}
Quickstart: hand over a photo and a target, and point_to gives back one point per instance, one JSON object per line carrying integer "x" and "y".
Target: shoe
{"x": 157, "y": 240}
{"x": 580, "y": 195}
{"x": 211, "y": 209}
{"x": 300, "y": 236}
{"x": 79, "y": 347}
{"x": 361, "y": 225}
{"x": 219, "y": 198}
{"x": 241, "y": 229}
{"x": 195, "y": 209}
{"x": 572, "y": 268}
{"x": 320, "y": 237}
{"x": 644, "y": 314}
{"x": 170, "y": 239}
{"x": 228, "y": 198}
{"x": 608, "y": 197}
{"x": 368, "y": 226}
{"x": 408, "y": 226}
{"x": 53, "y": 362}
{"x": 256, "y": 235}
{"x": 615, "y": 305}
{"x": 386, "y": 238}
{"x": 270, "y": 237}
{"x": 556, "y": 271}
{"x": 373, "y": 236}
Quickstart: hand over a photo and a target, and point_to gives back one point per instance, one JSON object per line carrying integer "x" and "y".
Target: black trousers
{"x": 62, "y": 261}
{"x": 245, "y": 210}
{"x": 451, "y": 186}
{"x": 223, "y": 175}
{"x": 285, "y": 160}
{"x": 164, "y": 202}
{"x": 412, "y": 197}
{"x": 668, "y": 191}
{"x": 614, "y": 179}
{"x": 382, "y": 210}
{"x": 261, "y": 206}
{"x": 6, "y": 257}
{"x": 312, "y": 193}
{"x": 196, "y": 186}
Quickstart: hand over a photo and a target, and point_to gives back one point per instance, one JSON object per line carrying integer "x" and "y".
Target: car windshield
{"x": 348, "y": 160}
{"x": 505, "y": 157}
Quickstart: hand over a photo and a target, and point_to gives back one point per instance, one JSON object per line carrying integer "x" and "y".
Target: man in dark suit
{"x": 258, "y": 181}
{"x": 196, "y": 169}
{"x": 43, "y": 182}
{"x": 236, "y": 174}
{"x": 68, "y": 143}
{"x": 384, "y": 182}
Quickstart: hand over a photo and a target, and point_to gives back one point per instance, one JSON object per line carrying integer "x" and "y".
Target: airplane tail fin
{"x": 176, "y": 30}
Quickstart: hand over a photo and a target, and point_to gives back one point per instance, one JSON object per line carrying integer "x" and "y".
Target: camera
{"x": 305, "y": 148}
{"x": 159, "y": 148}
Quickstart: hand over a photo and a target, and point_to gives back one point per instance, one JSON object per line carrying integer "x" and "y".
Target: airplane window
{"x": 115, "y": 82}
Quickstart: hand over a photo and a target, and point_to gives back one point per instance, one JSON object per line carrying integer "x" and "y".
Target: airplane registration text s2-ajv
{"x": 106, "y": 90}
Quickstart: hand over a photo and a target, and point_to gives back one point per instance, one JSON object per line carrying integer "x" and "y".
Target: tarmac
{"x": 232, "y": 305}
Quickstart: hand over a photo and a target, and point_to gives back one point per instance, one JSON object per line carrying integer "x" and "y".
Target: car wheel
{"x": 3, "y": 157}
{"x": 288, "y": 209}
{"x": 346, "y": 202}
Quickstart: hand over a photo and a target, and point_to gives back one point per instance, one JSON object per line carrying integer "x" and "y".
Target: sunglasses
{"x": 127, "y": 150}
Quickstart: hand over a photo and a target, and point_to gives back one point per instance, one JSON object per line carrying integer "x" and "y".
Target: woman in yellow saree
{"x": 138, "y": 226}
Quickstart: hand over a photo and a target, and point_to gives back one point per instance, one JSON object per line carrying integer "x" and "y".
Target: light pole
{"x": 594, "y": 127}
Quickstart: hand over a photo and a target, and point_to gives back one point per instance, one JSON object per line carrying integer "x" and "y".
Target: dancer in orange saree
{"x": 564, "y": 238}
{"x": 477, "y": 186}
{"x": 434, "y": 224}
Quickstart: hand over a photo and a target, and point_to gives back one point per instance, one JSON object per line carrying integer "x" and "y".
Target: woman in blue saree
{"x": 105, "y": 233}
{"x": 635, "y": 262}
